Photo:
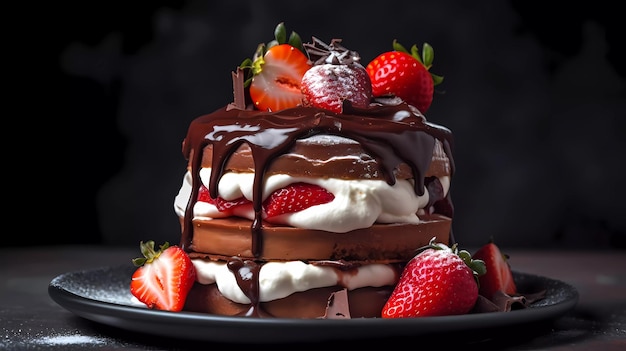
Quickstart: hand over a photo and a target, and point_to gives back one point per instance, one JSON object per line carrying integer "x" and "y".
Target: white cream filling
{"x": 357, "y": 203}
{"x": 281, "y": 279}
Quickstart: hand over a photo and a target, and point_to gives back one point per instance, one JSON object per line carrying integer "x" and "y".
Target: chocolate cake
{"x": 306, "y": 196}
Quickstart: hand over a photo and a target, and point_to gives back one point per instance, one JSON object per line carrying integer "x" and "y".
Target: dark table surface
{"x": 31, "y": 320}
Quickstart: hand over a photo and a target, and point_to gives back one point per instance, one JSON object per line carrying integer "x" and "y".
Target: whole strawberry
{"x": 405, "y": 74}
{"x": 439, "y": 281}
{"x": 336, "y": 76}
{"x": 164, "y": 277}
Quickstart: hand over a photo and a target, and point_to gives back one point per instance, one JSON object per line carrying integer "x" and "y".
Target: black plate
{"x": 102, "y": 295}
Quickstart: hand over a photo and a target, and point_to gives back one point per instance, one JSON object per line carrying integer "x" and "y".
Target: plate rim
{"x": 206, "y": 327}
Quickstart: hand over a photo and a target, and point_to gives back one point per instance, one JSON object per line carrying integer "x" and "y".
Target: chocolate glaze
{"x": 397, "y": 137}
{"x": 391, "y": 134}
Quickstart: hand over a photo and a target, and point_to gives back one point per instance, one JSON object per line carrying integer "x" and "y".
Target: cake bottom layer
{"x": 330, "y": 302}
{"x": 380, "y": 243}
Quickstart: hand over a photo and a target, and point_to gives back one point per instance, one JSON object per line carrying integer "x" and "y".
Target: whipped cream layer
{"x": 357, "y": 203}
{"x": 281, "y": 279}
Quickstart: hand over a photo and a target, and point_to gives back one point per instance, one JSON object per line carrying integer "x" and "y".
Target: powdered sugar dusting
{"x": 75, "y": 339}
{"x": 329, "y": 85}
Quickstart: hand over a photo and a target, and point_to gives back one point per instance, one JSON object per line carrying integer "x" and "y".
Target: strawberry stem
{"x": 148, "y": 252}
{"x": 477, "y": 266}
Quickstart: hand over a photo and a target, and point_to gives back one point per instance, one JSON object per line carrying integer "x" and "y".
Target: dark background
{"x": 534, "y": 94}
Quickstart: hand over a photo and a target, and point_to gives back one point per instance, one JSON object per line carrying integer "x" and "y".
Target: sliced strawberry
{"x": 221, "y": 204}
{"x": 438, "y": 281}
{"x": 227, "y": 205}
{"x": 163, "y": 277}
{"x": 295, "y": 197}
{"x": 276, "y": 82}
{"x": 498, "y": 276}
{"x": 405, "y": 75}
{"x": 203, "y": 195}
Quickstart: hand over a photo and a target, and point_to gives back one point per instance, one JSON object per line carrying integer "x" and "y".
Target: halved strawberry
{"x": 275, "y": 72}
{"x": 221, "y": 204}
{"x": 276, "y": 84}
{"x": 295, "y": 197}
{"x": 405, "y": 75}
{"x": 498, "y": 276}
{"x": 163, "y": 277}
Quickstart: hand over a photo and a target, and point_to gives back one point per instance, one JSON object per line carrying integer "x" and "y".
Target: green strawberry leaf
{"x": 296, "y": 42}
{"x": 280, "y": 33}
{"x": 398, "y": 47}
{"x": 428, "y": 55}
{"x": 436, "y": 79}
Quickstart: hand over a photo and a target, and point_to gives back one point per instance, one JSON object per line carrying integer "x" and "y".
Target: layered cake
{"x": 360, "y": 184}
{"x": 307, "y": 196}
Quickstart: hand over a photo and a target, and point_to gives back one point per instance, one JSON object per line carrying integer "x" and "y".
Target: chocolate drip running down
{"x": 390, "y": 133}
{"x": 247, "y": 274}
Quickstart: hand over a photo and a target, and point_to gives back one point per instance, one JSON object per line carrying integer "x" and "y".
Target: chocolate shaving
{"x": 483, "y": 305}
{"x": 506, "y": 302}
{"x": 239, "y": 98}
{"x": 333, "y": 53}
{"x": 533, "y": 297}
{"x": 338, "y": 306}
{"x": 502, "y": 302}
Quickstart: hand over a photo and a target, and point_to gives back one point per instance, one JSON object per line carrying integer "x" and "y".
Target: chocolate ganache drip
{"x": 392, "y": 134}
{"x": 247, "y": 274}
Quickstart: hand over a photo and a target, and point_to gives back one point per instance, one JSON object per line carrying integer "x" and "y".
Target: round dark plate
{"x": 102, "y": 295}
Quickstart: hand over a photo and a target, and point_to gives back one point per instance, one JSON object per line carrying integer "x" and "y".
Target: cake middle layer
{"x": 380, "y": 243}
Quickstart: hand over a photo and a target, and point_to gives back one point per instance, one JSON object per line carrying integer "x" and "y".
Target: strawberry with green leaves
{"x": 498, "y": 276}
{"x": 438, "y": 281}
{"x": 275, "y": 72}
{"x": 405, "y": 74}
{"x": 336, "y": 76}
{"x": 163, "y": 277}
